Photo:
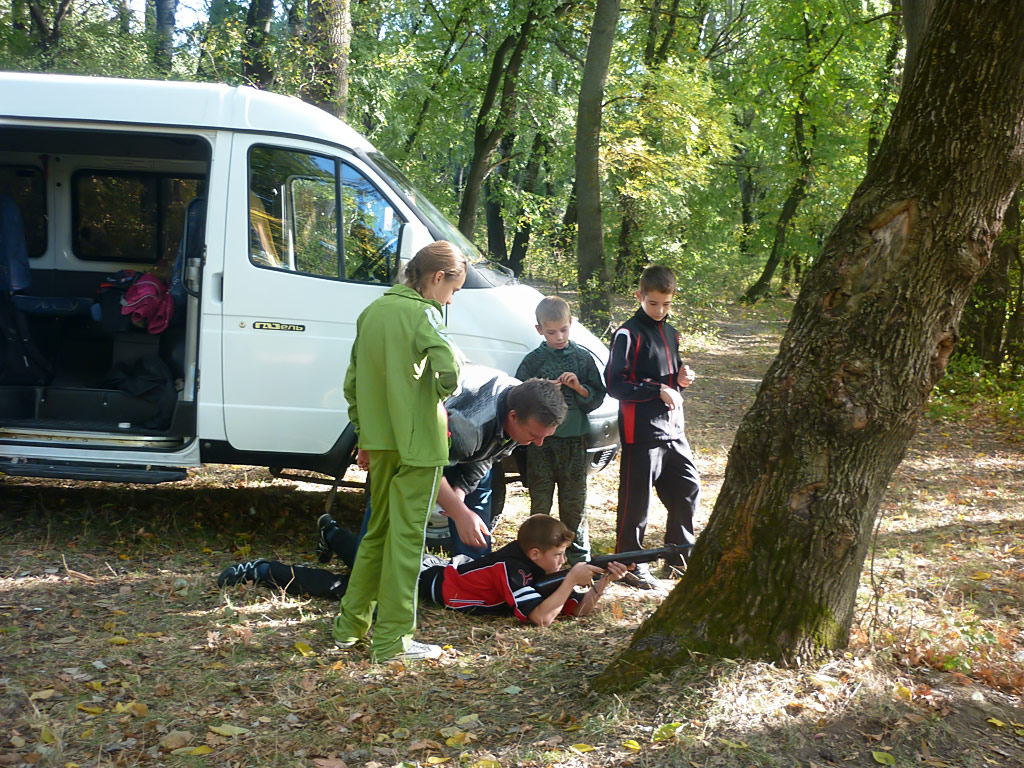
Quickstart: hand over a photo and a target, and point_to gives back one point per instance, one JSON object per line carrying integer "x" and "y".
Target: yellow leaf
{"x": 90, "y": 710}
{"x": 459, "y": 738}
{"x": 434, "y": 760}
{"x": 981, "y": 575}
{"x": 666, "y": 731}
{"x": 902, "y": 692}
{"x": 138, "y": 709}
{"x": 119, "y": 612}
{"x": 202, "y": 749}
{"x": 118, "y": 640}
{"x": 883, "y": 758}
{"x": 87, "y": 733}
{"x": 997, "y": 723}
{"x": 228, "y": 730}
{"x": 486, "y": 762}
{"x": 632, "y": 744}
{"x": 46, "y": 735}
{"x": 583, "y": 747}
{"x": 42, "y": 695}
{"x": 72, "y": 765}
{"x": 473, "y": 719}
{"x": 305, "y": 649}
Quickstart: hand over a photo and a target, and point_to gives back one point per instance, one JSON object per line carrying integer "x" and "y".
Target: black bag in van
{"x": 21, "y": 361}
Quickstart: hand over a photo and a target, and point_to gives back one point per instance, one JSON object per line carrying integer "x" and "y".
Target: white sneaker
{"x": 416, "y": 650}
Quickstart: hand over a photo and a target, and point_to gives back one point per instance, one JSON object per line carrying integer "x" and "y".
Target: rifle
{"x": 551, "y": 582}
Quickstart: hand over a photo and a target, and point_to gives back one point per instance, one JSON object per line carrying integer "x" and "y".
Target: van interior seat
{"x": 53, "y": 306}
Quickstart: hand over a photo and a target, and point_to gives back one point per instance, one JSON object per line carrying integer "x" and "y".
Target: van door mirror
{"x": 413, "y": 237}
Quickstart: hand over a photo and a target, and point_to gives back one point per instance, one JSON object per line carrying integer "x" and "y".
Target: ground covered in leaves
{"x": 116, "y": 647}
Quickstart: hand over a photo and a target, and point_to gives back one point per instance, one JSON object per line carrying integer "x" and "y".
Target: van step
{"x": 116, "y": 473}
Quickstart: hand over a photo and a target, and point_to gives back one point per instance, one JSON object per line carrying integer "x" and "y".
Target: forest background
{"x": 732, "y": 133}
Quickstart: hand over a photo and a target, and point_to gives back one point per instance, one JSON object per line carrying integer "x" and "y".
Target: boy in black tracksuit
{"x": 645, "y": 375}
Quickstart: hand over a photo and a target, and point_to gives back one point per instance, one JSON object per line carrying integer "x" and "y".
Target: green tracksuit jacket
{"x": 403, "y": 365}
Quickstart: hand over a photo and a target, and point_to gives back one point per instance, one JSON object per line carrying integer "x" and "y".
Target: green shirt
{"x": 403, "y": 366}
{"x": 549, "y": 363}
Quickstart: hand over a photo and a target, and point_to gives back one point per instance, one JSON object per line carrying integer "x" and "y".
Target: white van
{"x": 274, "y": 223}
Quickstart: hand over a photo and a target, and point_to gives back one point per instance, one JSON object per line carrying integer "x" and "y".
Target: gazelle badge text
{"x": 261, "y": 325}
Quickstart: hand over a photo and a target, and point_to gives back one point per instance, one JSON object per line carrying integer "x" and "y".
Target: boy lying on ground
{"x": 500, "y": 583}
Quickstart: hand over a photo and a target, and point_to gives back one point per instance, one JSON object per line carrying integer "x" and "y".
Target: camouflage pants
{"x": 561, "y": 461}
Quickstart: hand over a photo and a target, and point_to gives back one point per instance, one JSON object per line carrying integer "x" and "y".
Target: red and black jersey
{"x": 645, "y": 355}
{"x": 499, "y": 584}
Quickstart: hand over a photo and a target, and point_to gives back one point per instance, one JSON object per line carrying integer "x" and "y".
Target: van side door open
{"x": 311, "y": 242}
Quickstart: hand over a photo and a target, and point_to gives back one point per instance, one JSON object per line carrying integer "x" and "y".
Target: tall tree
{"x": 257, "y": 58}
{"x": 163, "y": 50}
{"x": 492, "y": 120}
{"x": 775, "y": 573}
{"x": 592, "y": 275}
{"x": 330, "y": 22}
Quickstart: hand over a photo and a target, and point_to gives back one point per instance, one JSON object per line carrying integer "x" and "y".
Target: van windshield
{"x": 492, "y": 274}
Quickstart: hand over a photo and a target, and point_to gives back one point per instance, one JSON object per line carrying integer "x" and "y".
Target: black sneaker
{"x": 324, "y": 553}
{"x": 640, "y": 578}
{"x": 239, "y": 574}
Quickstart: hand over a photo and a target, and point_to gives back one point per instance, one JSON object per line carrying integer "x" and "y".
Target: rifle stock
{"x": 551, "y": 582}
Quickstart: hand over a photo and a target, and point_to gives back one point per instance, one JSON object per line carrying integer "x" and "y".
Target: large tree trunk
{"x": 521, "y": 240}
{"x": 775, "y": 573}
{"x": 592, "y": 275}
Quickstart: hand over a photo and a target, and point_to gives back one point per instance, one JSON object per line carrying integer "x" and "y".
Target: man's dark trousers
{"x": 668, "y": 468}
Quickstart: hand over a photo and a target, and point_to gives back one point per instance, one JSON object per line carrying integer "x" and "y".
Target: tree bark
{"x": 775, "y": 573}
{"x": 496, "y": 245}
{"x": 330, "y": 27}
{"x": 592, "y": 275}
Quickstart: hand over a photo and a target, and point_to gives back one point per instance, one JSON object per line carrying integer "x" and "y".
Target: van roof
{"x": 164, "y": 103}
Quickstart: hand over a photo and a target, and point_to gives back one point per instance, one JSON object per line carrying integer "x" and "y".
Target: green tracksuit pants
{"x": 387, "y": 566}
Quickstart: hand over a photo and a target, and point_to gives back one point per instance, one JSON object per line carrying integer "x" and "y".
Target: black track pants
{"x": 668, "y": 468}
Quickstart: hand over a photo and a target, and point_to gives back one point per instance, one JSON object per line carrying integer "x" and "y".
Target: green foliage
{"x": 970, "y": 384}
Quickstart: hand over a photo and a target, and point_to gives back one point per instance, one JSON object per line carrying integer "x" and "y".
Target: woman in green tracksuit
{"x": 403, "y": 366}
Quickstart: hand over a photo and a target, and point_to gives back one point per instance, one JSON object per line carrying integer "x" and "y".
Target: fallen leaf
{"x": 632, "y": 744}
{"x": 512, "y": 690}
{"x": 666, "y": 731}
{"x": 329, "y": 762}
{"x": 981, "y": 575}
{"x": 883, "y": 758}
{"x": 435, "y": 760}
{"x": 734, "y": 744}
{"x": 305, "y": 649}
{"x": 42, "y": 695}
{"x": 473, "y": 719}
{"x": 996, "y": 722}
{"x": 583, "y": 747}
{"x": 90, "y": 710}
{"x": 175, "y": 740}
{"x": 46, "y": 735}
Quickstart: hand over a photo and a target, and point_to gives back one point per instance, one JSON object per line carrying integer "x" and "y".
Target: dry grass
{"x": 116, "y": 648}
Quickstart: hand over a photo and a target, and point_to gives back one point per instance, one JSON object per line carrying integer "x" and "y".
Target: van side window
{"x": 129, "y": 217}
{"x": 296, "y": 224}
{"x": 27, "y": 187}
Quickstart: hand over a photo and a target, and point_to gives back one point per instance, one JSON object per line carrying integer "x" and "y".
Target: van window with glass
{"x": 295, "y": 223}
{"x": 26, "y": 187}
{"x": 130, "y": 217}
